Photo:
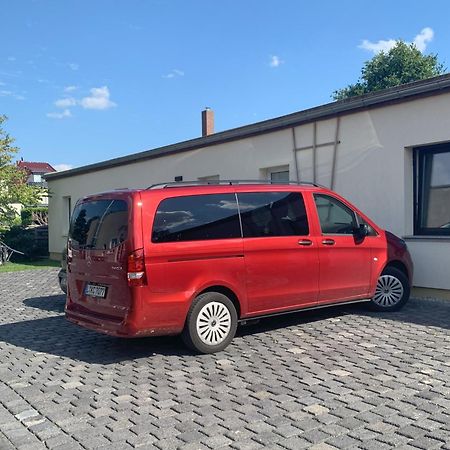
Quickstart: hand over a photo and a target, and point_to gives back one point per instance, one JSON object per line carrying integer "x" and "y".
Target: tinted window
{"x": 334, "y": 216}
{"x": 273, "y": 214}
{"x": 101, "y": 224}
{"x": 197, "y": 217}
{"x": 372, "y": 231}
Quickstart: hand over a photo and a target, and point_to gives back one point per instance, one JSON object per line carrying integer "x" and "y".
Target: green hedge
{"x": 31, "y": 241}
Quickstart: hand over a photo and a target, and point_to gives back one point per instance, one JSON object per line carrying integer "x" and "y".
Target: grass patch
{"x": 29, "y": 265}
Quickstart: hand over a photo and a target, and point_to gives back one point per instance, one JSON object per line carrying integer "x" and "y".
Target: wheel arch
{"x": 228, "y": 293}
{"x": 399, "y": 265}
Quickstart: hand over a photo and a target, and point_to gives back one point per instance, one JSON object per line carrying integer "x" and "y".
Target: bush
{"x": 33, "y": 242}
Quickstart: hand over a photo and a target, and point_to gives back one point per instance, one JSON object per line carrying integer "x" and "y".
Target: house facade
{"x": 387, "y": 152}
{"x": 35, "y": 172}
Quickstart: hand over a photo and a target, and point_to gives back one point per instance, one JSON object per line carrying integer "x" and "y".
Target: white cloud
{"x": 65, "y": 102}
{"x": 6, "y": 93}
{"x": 62, "y": 166}
{"x": 275, "y": 61}
{"x": 11, "y": 58}
{"x": 376, "y": 47}
{"x": 99, "y": 99}
{"x": 73, "y": 66}
{"x": 174, "y": 73}
{"x": 423, "y": 38}
{"x": 420, "y": 41}
{"x": 61, "y": 115}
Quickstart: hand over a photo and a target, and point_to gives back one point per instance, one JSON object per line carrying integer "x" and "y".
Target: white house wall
{"x": 373, "y": 170}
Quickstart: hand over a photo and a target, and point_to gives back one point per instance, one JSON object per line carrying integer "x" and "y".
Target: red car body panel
{"x": 265, "y": 275}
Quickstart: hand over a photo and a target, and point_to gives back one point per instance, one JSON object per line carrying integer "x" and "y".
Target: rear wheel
{"x": 211, "y": 323}
{"x": 392, "y": 290}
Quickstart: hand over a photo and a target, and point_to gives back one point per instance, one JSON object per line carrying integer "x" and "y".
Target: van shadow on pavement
{"x": 55, "y": 335}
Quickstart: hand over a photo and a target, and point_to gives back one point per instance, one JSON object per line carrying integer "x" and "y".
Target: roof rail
{"x": 171, "y": 184}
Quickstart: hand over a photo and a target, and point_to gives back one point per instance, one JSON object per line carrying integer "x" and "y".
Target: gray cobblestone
{"x": 339, "y": 378}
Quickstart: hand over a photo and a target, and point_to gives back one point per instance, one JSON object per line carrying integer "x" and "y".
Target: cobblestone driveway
{"x": 343, "y": 378}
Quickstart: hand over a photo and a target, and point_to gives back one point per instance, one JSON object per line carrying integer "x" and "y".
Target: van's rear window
{"x": 99, "y": 224}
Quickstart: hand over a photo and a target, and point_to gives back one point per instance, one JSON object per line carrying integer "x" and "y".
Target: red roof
{"x": 36, "y": 167}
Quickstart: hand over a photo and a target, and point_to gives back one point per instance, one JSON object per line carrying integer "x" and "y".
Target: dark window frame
{"x": 422, "y": 175}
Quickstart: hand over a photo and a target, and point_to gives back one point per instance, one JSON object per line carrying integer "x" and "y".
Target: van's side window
{"x": 197, "y": 217}
{"x": 334, "y": 216}
{"x": 273, "y": 214}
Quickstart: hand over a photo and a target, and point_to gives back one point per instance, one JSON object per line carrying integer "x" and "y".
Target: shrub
{"x": 33, "y": 242}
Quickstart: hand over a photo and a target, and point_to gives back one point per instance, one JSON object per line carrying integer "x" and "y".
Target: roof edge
{"x": 430, "y": 86}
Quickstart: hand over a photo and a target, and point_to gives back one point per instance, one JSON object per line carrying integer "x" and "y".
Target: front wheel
{"x": 211, "y": 323}
{"x": 392, "y": 290}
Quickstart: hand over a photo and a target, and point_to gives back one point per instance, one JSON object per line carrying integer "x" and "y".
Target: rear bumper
{"x": 118, "y": 328}
{"x": 110, "y": 327}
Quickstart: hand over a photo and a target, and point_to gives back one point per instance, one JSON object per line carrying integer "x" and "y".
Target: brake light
{"x": 136, "y": 268}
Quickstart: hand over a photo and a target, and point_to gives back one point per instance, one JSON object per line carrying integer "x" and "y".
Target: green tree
{"x": 403, "y": 63}
{"x": 13, "y": 187}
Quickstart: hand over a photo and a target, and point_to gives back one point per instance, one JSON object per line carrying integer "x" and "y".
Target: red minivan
{"x": 197, "y": 258}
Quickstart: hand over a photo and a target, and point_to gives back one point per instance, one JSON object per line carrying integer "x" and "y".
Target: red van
{"x": 197, "y": 259}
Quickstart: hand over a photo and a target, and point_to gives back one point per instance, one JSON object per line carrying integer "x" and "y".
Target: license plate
{"x": 94, "y": 290}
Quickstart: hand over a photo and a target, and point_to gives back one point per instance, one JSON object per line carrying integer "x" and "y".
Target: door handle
{"x": 305, "y": 242}
{"x": 328, "y": 242}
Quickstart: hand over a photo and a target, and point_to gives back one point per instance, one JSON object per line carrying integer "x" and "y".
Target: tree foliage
{"x": 13, "y": 187}
{"x": 403, "y": 63}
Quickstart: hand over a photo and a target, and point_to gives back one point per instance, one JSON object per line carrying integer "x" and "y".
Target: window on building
{"x": 273, "y": 214}
{"x": 334, "y": 216}
{"x": 209, "y": 178}
{"x": 37, "y": 178}
{"x": 278, "y": 174}
{"x": 197, "y": 217}
{"x": 432, "y": 190}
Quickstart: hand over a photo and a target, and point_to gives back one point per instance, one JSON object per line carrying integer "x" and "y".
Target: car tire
{"x": 392, "y": 290}
{"x": 211, "y": 323}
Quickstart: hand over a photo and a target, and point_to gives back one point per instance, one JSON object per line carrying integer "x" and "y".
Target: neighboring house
{"x": 388, "y": 152}
{"x": 36, "y": 171}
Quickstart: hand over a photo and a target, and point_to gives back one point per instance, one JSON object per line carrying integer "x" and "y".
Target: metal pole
{"x": 336, "y": 142}
{"x": 294, "y": 140}
{"x": 314, "y": 153}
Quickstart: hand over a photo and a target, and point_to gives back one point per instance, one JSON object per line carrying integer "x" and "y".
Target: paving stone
{"x": 325, "y": 380}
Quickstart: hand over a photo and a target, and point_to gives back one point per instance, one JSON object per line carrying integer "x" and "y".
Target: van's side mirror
{"x": 362, "y": 231}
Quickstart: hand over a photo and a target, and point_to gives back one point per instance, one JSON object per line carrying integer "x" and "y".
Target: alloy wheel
{"x": 389, "y": 291}
{"x": 213, "y": 323}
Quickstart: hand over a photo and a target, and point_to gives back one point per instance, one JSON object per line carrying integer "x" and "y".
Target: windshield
{"x": 99, "y": 224}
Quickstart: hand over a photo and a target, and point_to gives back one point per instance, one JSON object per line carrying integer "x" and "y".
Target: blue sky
{"x": 85, "y": 81}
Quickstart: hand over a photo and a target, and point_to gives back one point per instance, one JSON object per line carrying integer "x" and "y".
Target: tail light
{"x": 136, "y": 268}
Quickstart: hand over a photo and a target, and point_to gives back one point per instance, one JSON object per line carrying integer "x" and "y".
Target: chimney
{"x": 207, "y": 122}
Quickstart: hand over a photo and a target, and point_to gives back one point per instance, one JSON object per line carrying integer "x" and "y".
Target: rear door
{"x": 345, "y": 260}
{"x": 98, "y": 246}
{"x": 281, "y": 257}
